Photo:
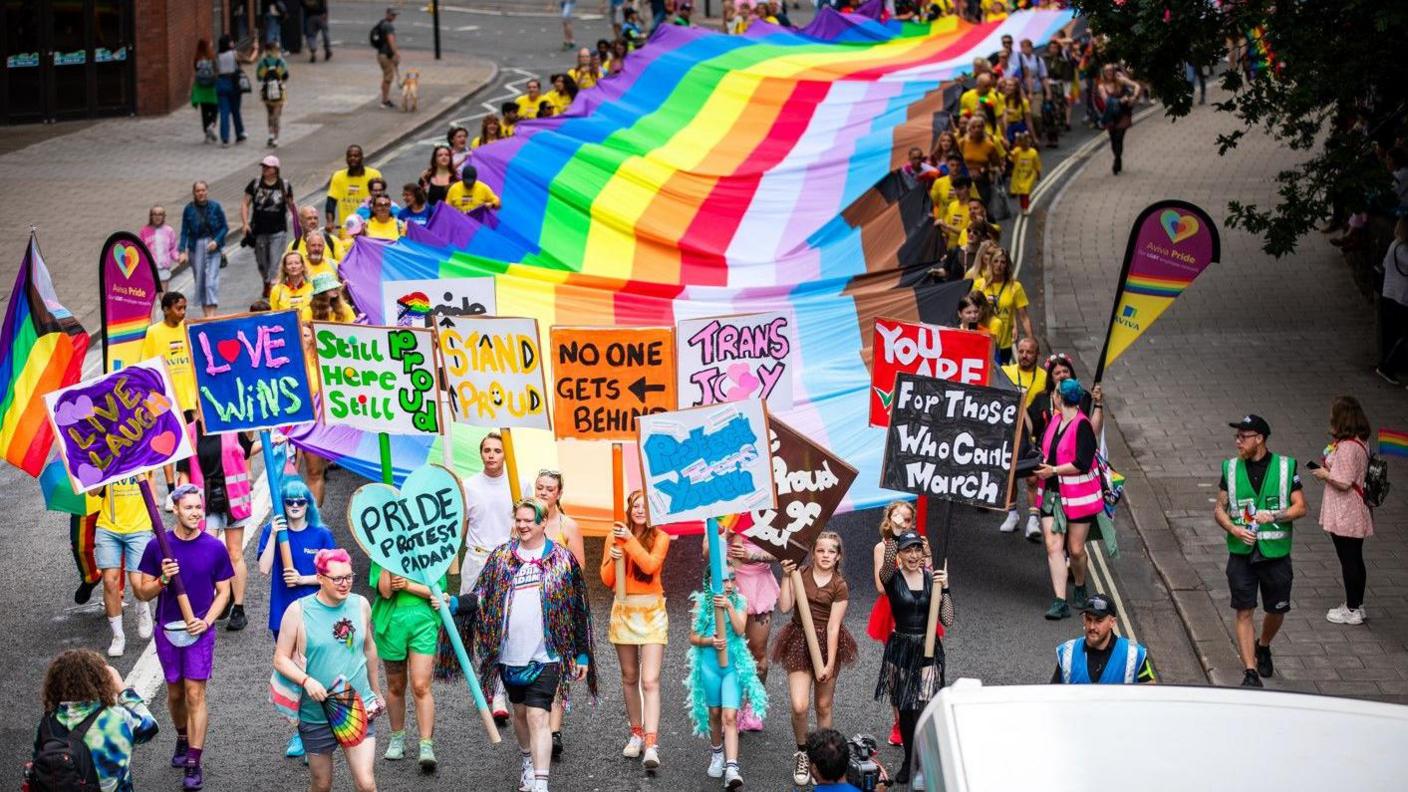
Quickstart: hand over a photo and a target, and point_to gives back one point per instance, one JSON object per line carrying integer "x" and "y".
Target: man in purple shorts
{"x": 204, "y": 566}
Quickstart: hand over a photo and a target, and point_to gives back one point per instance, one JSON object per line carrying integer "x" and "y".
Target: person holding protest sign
{"x": 406, "y": 625}
{"x": 307, "y": 536}
{"x": 897, "y": 519}
{"x": 827, "y": 594}
{"x": 716, "y": 692}
{"x": 187, "y": 656}
{"x": 908, "y": 678}
{"x": 532, "y": 627}
{"x": 220, "y": 468}
{"x": 167, "y": 340}
{"x": 123, "y": 529}
{"x": 639, "y": 627}
{"x": 1071, "y": 502}
{"x": 488, "y": 524}
{"x": 324, "y": 640}
{"x": 755, "y": 581}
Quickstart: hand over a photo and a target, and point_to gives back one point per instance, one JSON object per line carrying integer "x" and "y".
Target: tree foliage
{"x": 1327, "y": 84}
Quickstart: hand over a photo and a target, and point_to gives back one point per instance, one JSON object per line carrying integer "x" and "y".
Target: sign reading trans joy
{"x": 952, "y": 441}
{"x": 706, "y": 462}
{"x": 250, "y": 372}
{"x": 732, "y": 358}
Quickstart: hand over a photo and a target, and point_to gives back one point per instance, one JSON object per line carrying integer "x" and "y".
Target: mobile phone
{"x": 1312, "y": 465}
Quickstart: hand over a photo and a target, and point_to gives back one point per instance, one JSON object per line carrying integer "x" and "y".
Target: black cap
{"x": 1099, "y": 606}
{"x": 907, "y": 539}
{"x": 1253, "y": 423}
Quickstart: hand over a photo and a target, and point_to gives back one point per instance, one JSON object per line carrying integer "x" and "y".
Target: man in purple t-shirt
{"x": 204, "y": 566}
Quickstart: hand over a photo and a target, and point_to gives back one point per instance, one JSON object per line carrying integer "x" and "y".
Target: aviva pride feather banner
{"x": 718, "y": 176}
{"x": 1172, "y": 242}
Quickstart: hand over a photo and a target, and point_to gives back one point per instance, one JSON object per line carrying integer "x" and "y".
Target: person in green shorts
{"x": 406, "y": 626}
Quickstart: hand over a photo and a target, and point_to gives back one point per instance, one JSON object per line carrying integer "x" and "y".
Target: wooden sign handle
{"x": 164, "y": 544}
{"x": 618, "y": 511}
{"x": 804, "y": 609}
{"x": 515, "y": 486}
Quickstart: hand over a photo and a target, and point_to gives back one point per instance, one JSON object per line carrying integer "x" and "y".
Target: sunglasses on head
{"x": 295, "y": 501}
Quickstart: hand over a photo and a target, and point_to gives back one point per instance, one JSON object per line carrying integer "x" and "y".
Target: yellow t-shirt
{"x": 559, "y": 100}
{"x": 284, "y": 297}
{"x": 390, "y": 229}
{"x": 956, "y": 215}
{"x": 1017, "y": 112}
{"x": 585, "y": 78}
{"x": 169, "y": 344}
{"x": 312, "y": 270}
{"x": 1026, "y": 166}
{"x": 940, "y": 194}
{"x": 1006, "y": 299}
{"x": 332, "y": 253}
{"x": 1030, "y": 382}
{"x": 344, "y": 316}
{"x": 507, "y": 128}
{"x": 969, "y": 101}
{"x": 528, "y": 108}
{"x": 350, "y": 191}
{"x": 124, "y": 509}
{"x": 465, "y": 199}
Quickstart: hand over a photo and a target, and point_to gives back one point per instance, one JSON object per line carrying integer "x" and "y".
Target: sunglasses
{"x": 295, "y": 501}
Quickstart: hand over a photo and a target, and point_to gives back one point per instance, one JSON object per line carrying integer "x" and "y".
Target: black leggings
{"x": 209, "y": 114}
{"x": 1117, "y": 141}
{"x": 909, "y": 719}
{"x": 1351, "y": 553}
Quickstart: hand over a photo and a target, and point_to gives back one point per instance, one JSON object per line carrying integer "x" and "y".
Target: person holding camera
{"x": 830, "y": 758}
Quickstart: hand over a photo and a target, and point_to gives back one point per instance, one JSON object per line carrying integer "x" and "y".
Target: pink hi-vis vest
{"x": 237, "y": 488}
{"x": 1081, "y": 496}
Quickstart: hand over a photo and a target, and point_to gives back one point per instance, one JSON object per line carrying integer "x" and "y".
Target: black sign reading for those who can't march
{"x": 952, "y": 441}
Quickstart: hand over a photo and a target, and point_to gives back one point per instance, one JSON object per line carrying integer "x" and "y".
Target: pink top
{"x": 162, "y": 242}
{"x": 1343, "y": 512}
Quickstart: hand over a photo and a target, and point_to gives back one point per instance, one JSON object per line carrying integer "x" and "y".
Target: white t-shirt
{"x": 488, "y": 511}
{"x": 523, "y": 627}
{"x": 1396, "y": 273}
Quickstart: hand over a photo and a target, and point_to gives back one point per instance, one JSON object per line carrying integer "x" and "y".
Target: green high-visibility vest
{"x": 1273, "y": 539}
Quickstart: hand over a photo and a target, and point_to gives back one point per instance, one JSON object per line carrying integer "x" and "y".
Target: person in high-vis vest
{"x": 1259, "y": 499}
{"x": 1101, "y": 657}
{"x": 1071, "y": 497}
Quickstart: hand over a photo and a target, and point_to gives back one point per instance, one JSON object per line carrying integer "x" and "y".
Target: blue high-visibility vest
{"x": 1126, "y": 659}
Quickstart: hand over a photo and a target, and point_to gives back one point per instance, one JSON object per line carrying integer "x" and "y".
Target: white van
{"x": 1153, "y": 738}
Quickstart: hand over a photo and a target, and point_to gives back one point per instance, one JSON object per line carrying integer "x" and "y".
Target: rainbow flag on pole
{"x": 1393, "y": 442}
{"x": 42, "y": 347}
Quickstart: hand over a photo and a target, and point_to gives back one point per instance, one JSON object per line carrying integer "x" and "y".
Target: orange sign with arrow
{"x": 604, "y": 377}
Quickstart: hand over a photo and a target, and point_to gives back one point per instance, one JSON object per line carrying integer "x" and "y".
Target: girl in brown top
{"x": 827, "y": 597}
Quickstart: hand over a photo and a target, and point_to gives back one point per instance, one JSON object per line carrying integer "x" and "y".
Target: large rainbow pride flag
{"x": 716, "y": 175}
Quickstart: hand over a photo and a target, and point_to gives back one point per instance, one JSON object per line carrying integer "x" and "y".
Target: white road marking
{"x": 466, "y": 28}
{"x": 536, "y": 14}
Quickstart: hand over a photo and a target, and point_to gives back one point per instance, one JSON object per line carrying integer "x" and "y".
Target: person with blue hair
{"x": 306, "y": 536}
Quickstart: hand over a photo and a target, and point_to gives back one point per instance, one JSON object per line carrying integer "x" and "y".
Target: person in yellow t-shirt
{"x": 971, "y": 100}
{"x": 124, "y": 528}
{"x": 941, "y": 192}
{"x": 348, "y": 189}
{"x": 167, "y": 340}
{"x": 955, "y": 215}
{"x": 469, "y": 193}
{"x": 584, "y": 74}
{"x": 332, "y": 248}
{"x": 382, "y": 225}
{"x": 1026, "y": 170}
{"x": 528, "y": 103}
{"x": 1009, "y": 303}
{"x": 561, "y": 94}
{"x": 315, "y": 260}
{"x": 1025, "y": 373}
{"x": 293, "y": 290}
{"x": 327, "y": 304}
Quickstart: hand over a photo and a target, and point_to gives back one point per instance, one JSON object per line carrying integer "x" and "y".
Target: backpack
{"x": 272, "y": 90}
{"x": 63, "y": 762}
{"x": 205, "y": 73}
{"x": 1375, "y": 489}
{"x": 377, "y": 38}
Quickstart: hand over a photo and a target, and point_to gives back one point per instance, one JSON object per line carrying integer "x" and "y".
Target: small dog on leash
{"x": 410, "y": 91}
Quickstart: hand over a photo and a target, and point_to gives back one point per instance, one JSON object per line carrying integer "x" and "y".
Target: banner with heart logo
{"x": 413, "y": 532}
{"x": 128, "y": 285}
{"x": 251, "y": 372}
{"x": 1172, "y": 242}
{"x": 118, "y": 425}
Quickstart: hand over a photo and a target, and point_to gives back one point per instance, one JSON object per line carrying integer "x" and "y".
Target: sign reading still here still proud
{"x": 951, "y": 441}
{"x": 605, "y": 378}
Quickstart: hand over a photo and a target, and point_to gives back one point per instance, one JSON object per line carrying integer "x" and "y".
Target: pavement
{"x": 1279, "y": 338}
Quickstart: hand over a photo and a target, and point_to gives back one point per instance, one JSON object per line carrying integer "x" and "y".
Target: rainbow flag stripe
{"x": 715, "y": 175}
{"x": 1393, "y": 442}
{"x": 41, "y": 349}
{"x": 1155, "y": 287}
{"x": 127, "y": 332}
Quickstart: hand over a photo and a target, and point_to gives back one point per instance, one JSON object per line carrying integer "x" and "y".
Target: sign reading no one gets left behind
{"x": 605, "y": 377}
{"x": 378, "y": 379}
{"x": 952, "y": 441}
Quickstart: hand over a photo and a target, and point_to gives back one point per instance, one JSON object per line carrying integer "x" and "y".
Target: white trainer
{"x": 527, "y": 777}
{"x": 1033, "y": 531}
{"x": 801, "y": 769}
{"x": 716, "y": 764}
{"x": 732, "y": 778}
{"x": 1345, "y": 615}
{"x": 144, "y": 620}
{"x": 916, "y": 782}
{"x": 633, "y": 746}
{"x": 650, "y": 759}
{"x": 118, "y": 646}
{"x": 1010, "y": 524}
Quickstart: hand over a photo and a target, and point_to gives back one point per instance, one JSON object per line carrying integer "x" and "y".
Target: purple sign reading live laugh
{"x": 118, "y": 425}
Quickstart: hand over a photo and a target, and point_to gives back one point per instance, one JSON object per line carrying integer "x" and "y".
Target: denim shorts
{"x": 109, "y": 547}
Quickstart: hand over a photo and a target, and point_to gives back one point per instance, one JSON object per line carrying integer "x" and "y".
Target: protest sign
{"x": 127, "y": 281}
{"x": 494, "y": 369}
{"x": 732, "y": 358}
{"x": 118, "y": 425}
{"x": 431, "y": 302}
{"x": 250, "y": 372}
{"x": 940, "y": 352}
{"x": 378, "y": 379}
{"x": 604, "y": 378}
{"x": 810, "y": 484}
{"x": 706, "y": 462}
{"x": 952, "y": 441}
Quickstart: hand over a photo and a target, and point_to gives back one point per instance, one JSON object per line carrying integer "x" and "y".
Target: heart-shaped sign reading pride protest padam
{"x": 414, "y": 532}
